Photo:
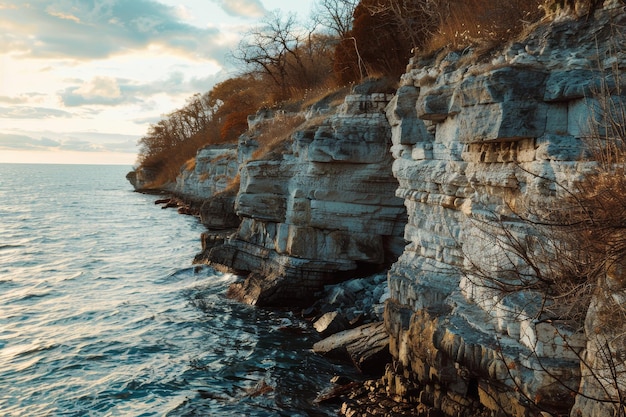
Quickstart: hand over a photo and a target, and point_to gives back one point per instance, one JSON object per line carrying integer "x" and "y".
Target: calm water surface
{"x": 102, "y": 313}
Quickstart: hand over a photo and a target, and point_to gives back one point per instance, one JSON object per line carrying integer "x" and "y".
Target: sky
{"x": 82, "y": 80}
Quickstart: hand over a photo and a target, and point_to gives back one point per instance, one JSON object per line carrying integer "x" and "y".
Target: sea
{"x": 102, "y": 312}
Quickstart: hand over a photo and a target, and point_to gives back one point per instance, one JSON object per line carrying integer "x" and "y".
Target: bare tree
{"x": 272, "y": 48}
{"x": 418, "y": 20}
{"x": 335, "y": 15}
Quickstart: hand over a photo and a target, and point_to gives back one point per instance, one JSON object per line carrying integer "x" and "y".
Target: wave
{"x": 107, "y": 315}
{"x": 5, "y": 247}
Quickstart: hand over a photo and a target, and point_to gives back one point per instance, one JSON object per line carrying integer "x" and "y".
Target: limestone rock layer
{"x": 319, "y": 212}
{"x": 474, "y": 145}
{"x": 431, "y": 180}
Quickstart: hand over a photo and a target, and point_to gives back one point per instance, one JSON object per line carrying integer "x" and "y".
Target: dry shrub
{"x": 320, "y": 98}
{"x": 487, "y": 23}
{"x": 386, "y": 33}
{"x": 160, "y": 182}
{"x": 562, "y": 248}
{"x": 289, "y": 58}
{"x": 482, "y": 22}
{"x": 601, "y": 195}
{"x": 190, "y": 165}
{"x": 235, "y": 99}
{"x": 221, "y": 157}
{"x": 168, "y": 163}
{"x": 233, "y": 185}
{"x": 576, "y": 7}
{"x": 379, "y": 42}
{"x": 275, "y": 134}
{"x": 313, "y": 70}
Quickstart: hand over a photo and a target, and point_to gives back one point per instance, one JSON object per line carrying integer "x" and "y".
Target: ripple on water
{"x": 104, "y": 315}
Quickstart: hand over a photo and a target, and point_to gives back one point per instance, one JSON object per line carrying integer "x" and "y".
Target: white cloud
{"x": 78, "y": 141}
{"x": 62, "y": 15}
{"x": 22, "y": 142}
{"x": 99, "y": 87}
{"x": 242, "y": 8}
{"x": 71, "y": 70}
{"x": 95, "y": 30}
{"x": 27, "y": 112}
{"x": 110, "y": 91}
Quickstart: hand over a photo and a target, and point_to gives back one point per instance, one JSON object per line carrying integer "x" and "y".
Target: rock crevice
{"x": 425, "y": 182}
{"x": 474, "y": 146}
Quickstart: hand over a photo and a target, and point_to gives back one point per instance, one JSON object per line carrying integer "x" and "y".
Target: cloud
{"x": 21, "y": 99}
{"x": 81, "y": 142}
{"x": 243, "y": 8}
{"x": 13, "y": 100}
{"x": 10, "y": 141}
{"x": 109, "y": 91}
{"x": 147, "y": 120}
{"x": 99, "y": 90}
{"x": 98, "y": 29}
{"x": 26, "y": 112}
{"x": 106, "y": 87}
{"x": 81, "y": 146}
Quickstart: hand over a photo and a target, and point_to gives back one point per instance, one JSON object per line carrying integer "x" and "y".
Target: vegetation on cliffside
{"x": 286, "y": 64}
{"x": 551, "y": 263}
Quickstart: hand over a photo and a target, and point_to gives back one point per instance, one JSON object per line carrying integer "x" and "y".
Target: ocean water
{"x": 102, "y": 313}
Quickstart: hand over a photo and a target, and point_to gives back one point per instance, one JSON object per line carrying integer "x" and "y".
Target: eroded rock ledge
{"x": 205, "y": 185}
{"x": 470, "y": 141}
{"x": 457, "y": 147}
{"x": 321, "y": 212}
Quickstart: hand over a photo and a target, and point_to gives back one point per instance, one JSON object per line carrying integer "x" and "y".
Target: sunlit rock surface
{"x": 320, "y": 212}
{"x": 204, "y": 183}
{"x": 141, "y": 178}
{"x": 214, "y": 167}
{"x": 471, "y": 141}
{"x": 462, "y": 147}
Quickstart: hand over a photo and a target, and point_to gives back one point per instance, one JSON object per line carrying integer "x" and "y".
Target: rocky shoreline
{"x": 348, "y": 316}
{"x": 384, "y": 218}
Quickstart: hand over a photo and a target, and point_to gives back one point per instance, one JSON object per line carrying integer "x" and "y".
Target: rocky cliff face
{"x": 321, "y": 211}
{"x": 205, "y": 185}
{"x": 468, "y": 149}
{"x": 141, "y": 178}
{"x": 471, "y": 141}
{"x": 214, "y": 167}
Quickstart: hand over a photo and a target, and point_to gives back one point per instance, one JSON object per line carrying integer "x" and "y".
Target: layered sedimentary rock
{"x": 321, "y": 211}
{"x": 214, "y": 167}
{"x": 141, "y": 178}
{"x": 472, "y": 142}
{"x": 474, "y": 147}
{"x": 205, "y": 185}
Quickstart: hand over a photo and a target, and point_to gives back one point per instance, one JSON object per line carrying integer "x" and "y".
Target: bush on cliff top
{"x": 386, "y": 33}
{"x": 285, "y": 63}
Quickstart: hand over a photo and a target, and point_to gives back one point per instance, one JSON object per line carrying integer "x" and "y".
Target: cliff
{"x": 321, "y": 210}
{"x": 208, "y": 185}
{"x": 444, "y": 183}
{"x": 213, "y": 168}
{"x": 474, "y": 145}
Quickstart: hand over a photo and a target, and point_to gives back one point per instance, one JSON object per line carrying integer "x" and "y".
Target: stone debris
{"x": 330, "y": 323}
{"x": 421, "y": 179}
{"x": 367, "y": 346}
{"x": 371, "y": 398}
{"x": 347, "y": 316}
{"x": 359, "y": 299}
